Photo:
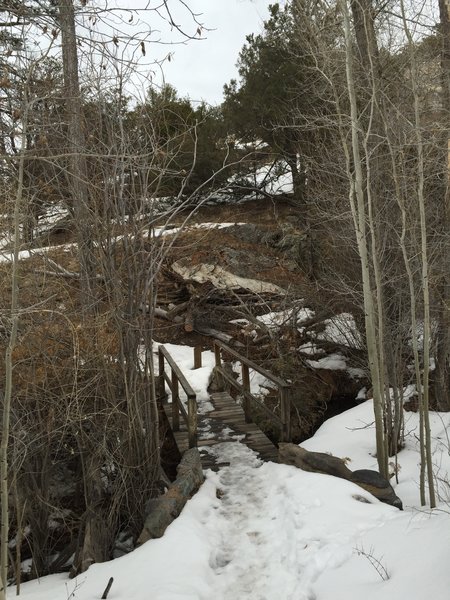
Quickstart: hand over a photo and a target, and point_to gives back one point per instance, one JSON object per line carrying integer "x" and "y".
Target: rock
{"x": 377, "y": 485}
{"x": 218, "y": 383}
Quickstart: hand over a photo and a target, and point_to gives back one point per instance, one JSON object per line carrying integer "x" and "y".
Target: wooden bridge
{"x": 222, "y": 419}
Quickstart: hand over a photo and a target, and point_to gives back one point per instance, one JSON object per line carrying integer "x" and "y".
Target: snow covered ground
{"x": 273, "y": 532}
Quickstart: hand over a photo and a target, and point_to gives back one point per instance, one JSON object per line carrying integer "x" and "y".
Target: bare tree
{"x": 443, "y": 288}
{"x": 386, "y": 132}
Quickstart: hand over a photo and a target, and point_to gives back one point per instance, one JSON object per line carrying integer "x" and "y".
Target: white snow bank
{"x": 24, "y": 254}
{"x": 274, "y": 320}
{"x": 336, "y": 362}
{"x": 274, "y": 178}
{"x": 310, "y": 348}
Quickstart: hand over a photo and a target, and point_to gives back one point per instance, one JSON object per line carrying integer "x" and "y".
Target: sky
{"x": 199, "y": 68}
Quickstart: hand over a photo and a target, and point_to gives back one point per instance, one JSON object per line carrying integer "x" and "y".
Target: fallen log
{"x": 162, "y": 511}
{"x": 208, "y": 331}
{"x": 319, "y": 462}
{"x": 219, "y": 335}
{"x": 314, "y": 462}
{"x": 376, "y": 485}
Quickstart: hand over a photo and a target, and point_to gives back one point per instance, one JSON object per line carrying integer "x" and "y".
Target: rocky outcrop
{"x": 319, "y": 462}
{"x": 162, "y": 511}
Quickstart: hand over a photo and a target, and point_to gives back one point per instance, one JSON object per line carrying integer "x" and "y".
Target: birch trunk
{"x": 442, "y": 375}
{"x": 425, "y": 430}
{"x": 358, "y": 208}
{"x": 6, "y": 409}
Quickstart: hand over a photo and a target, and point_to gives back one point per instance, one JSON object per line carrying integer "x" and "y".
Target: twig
{"x": 108, "y": 587}
{"x": 375, "y": 562}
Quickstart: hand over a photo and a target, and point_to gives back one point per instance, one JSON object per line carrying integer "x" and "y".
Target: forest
{"x": 330, "y": 158}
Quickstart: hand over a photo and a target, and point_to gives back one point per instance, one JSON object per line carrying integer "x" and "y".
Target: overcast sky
{"x": 200, "y": 68}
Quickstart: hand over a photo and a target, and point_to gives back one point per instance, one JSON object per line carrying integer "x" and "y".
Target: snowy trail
{"x": 270, "y": 543}
{"x": 249, "y": 561}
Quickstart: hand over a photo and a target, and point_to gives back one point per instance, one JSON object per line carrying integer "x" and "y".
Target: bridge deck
{"x": 224, "y": 422}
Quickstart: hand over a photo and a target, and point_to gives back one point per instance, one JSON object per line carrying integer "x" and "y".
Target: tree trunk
{"x": 442, "y": 374}
{"x": 7, "y": 397}
{"x": 78, "y": 165}
{"x": 95, "y": 535}
{"x": 357, "y": 203}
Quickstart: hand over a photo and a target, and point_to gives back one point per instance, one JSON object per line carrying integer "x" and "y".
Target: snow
{"x": 274, "y": 178}
{"x": 157, "y": 232}
{"x": 25, "y": 254}
{"x": 263, "y": 531}
{"x": 341, "y": 329}
{"x": 333, "y": 362}
{"x": 310, "y": 348}
{"x": 336, "y": 362}
{"x": 198, "y": 379}
{"x": 273, "y": 320}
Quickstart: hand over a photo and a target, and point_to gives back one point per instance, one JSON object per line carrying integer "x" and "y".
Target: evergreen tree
{"x": 274, "y": 98}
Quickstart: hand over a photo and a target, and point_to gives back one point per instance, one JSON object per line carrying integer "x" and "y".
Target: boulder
{"x": 377, "y": 485}
{"x": 319, "y": 462}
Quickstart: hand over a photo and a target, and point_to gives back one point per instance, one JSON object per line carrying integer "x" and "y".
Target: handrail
{"x": 246, "y": 364}
{"x": 177, "y": 378}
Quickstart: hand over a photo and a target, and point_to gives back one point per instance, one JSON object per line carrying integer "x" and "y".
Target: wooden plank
{"x": 181, "y": 378}
{"x": 225, "y": 414}
{"x": 277, "y": 380}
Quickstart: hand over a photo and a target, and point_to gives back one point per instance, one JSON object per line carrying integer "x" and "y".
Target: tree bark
{"x": 442, "y": 374}
{"x": 7, "y": 397}
{"x": 78, "y": 165}
{"x": 357, "y": 203}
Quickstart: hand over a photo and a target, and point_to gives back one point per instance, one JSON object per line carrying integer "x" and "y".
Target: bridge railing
{"x": 174, "y": 381}
{"x": 283, "y": 387}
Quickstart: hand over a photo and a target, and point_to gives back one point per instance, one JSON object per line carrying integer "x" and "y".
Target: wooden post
{"x": 197, "y": 357}
{"x": 175, "y": 400}
{"x": 217, "y": 355}
{"x": 285, "y": 414}
{"x": 161, "y": 382}
{"x": 189, "y": 320}
{"x": 192, "y": 421}
{"x": 246, "y": 386}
